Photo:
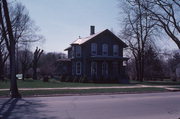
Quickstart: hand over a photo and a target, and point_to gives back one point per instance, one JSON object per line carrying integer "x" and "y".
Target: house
{"x": 98, "y": 56}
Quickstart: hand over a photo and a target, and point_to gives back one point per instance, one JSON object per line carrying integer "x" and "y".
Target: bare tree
{"x": 36, "y": 58}
{"x": 3, "y": 57}
{"x": 24, "y": 30}
{"x": 10, "y": 42}
{"x": 137, "y": 32}
{"x": 25, "y": 59}
{"x": 166, "y": 13}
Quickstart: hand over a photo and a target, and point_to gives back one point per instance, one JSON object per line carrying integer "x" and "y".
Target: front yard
{"x": 54, "y": 87}
{"x": 54, "y": 84}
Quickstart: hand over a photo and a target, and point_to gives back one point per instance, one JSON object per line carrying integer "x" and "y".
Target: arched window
{"x": 78, "y": 51}
{"x": 115, "y": 50}
{"x": 105, "y": 49}
{"x": 93, "y": 49}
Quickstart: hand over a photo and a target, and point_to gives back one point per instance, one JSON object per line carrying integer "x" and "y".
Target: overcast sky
{"x": 63, "y": 21}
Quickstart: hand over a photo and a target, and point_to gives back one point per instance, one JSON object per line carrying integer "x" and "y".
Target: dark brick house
{"x": 98, "y": 56}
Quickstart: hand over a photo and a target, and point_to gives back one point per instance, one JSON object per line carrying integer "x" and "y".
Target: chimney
{"x": 92, "y": 30}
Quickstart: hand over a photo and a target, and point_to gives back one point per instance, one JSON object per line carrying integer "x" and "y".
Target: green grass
{"x": 86, "y": 91}
{"x": 161, "y": 83}
{"x": 54, "y": 84}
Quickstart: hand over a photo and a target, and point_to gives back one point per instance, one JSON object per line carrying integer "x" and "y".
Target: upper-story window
{"x": 73, "y": 51}
{"x": 70, "y": 54}
{"x": 115, "y": 50}
{"x": 78, "y": 51}
{"x": 104, "y": 49}
{"x": 93, "y": 49}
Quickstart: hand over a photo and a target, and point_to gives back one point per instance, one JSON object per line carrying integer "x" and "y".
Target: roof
{"x": 81, "y": 41}
{"x": 67, "y": 48}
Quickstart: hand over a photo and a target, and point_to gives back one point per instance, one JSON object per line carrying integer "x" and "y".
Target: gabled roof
{"x": 81, "y": 41}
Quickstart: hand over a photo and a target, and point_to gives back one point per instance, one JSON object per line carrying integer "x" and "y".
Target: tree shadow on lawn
{"x": 22, "y": 109}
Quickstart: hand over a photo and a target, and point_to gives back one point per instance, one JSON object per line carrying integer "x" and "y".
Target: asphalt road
{"x": 121, "y": 106}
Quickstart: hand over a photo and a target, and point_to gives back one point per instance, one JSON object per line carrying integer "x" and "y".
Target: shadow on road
{"x": 22, "y": 109}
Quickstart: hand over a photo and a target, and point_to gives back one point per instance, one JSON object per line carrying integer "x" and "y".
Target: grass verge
{"x": 84, "y": 91}
{"x": 54, "y": 84}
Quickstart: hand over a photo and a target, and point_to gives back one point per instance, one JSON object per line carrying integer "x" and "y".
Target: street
{"x": 120, "y": 106}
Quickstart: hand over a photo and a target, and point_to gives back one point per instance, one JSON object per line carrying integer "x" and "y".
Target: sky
{"x": 63, "y": 21}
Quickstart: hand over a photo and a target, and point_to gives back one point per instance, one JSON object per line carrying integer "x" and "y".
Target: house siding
{"x": 86, "y": 58}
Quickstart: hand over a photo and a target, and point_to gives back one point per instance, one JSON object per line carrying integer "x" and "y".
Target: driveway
{"x": 124, "y": 106}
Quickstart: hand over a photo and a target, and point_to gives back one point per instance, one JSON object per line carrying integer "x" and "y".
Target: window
{"x": 78, "y": 51}
{"x": 93, "y": 49}
{"x": 105, "y": 49}
{"x": 93, "y": 68}
{"x": 70, "y": 54}
{"x": 115, "y": 50}
{"x": 105, "y": 68}
{"x": 78, "y": 68}
{"x": 73, "y": 51}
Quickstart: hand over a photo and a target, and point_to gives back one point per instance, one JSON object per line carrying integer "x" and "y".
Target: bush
{"x": 75, "y": 79}
{"x": 83, "y": 79}
{"x": 45, "y": 79}
{"x": 62, "y": 78}
{"x": 68, "y": 79}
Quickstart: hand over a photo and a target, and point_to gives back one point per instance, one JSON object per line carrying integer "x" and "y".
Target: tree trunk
{"x": 34, "y": 71}
{"x": 1, "y": 72}
{"x": 1, "y": 67}
{"x": 13, "y": 88}
{"x": 37, "y": 55}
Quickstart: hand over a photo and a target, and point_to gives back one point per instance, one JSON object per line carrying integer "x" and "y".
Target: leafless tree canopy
{"x": 166, "y": 13}
{"x": 138, "y": 32}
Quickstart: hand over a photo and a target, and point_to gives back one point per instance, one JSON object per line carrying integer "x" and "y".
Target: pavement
{"x": 171, "y": 88}
{"x": 127, "y": 106}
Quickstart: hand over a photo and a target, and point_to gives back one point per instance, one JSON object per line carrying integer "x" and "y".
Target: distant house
{"x": 99, "y": 56}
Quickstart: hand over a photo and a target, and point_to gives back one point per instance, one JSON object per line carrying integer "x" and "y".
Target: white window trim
{"x": 105, "y": 49}
{"x": 115, "y": 50}
{"x": 93, "y": 49}
{"x": 78, "y": 73}
{"x": 73, "y": 51}
{"x": 78, "y": 51}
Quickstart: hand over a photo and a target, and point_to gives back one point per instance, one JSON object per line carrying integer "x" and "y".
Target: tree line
{"x": 145, "y": 22}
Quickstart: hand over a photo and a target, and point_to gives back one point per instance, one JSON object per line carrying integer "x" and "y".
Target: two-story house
{"x": 99, "y": 55}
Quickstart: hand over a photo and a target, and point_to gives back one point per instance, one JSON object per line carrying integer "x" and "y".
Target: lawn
{"x": 168, "y": 82}
{"x": 84, "y": 91}
{"x": 55, "y": 84}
